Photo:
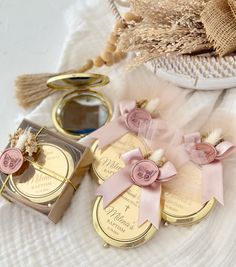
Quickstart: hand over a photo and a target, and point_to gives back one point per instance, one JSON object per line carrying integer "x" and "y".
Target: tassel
{"x": 31, "y": 89}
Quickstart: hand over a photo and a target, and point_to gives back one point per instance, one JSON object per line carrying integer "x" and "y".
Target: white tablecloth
{"x": 26, "y": 240}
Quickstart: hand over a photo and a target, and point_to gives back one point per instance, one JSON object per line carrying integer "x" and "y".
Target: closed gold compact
{"x": 181, "y": 198}
{"x": 117, "y": 224}
{"x": 82, "y": 110}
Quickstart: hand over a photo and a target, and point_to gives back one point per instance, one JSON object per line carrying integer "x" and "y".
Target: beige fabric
{"x": 232, "y": 4}
{"x": 220, "y": 25}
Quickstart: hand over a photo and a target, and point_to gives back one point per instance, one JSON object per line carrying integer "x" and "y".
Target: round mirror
{"x": 80, "y": 113}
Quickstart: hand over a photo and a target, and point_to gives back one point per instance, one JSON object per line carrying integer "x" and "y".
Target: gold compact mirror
{"x": 82, "y": 110}
{"x": 117, "y": 224}
{"x": 36, "y": 183}
{"x": 181, "y": 198}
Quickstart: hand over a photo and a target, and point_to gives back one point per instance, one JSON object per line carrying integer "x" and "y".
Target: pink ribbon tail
{"x": 225, "y": 149}
{"x": 212, "y": 182}
{"x": 212, "y": 174}
{"x": 110, "y": 132}
{"x": 115, "y": 185}
{"x": 149, "y": 207}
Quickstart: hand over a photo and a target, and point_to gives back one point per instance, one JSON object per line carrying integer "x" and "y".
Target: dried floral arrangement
{"x": 151, "y": 28}
{"x": 170, "y": 27}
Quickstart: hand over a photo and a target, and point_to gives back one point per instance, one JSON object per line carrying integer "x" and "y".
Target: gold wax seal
{"x": 181, "y": 197}
{"x": 108, "y": 161}
{"x": 36, "y": 183}
{"x": 117, "y": 224}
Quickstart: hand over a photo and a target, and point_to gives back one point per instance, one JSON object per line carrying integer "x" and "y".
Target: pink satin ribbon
{"x": 149, "y": 206}
{"x": 115, "y": 129}
{"x": 212, "y": 173}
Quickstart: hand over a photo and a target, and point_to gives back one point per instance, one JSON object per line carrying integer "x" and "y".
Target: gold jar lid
{"x": 82, "y": 110}
{"x": 35, "y": 183}
{"x": 181, "y": 198}
{"x": 108, "y": 161}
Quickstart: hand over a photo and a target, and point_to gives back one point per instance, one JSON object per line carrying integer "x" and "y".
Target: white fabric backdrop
{"x": 26, "y": 240}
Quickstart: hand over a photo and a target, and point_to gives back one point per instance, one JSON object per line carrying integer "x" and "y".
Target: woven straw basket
{"x": 202, "y": 72}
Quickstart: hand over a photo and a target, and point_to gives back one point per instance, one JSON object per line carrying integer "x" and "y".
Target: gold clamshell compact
{"x": 83, "y": 109}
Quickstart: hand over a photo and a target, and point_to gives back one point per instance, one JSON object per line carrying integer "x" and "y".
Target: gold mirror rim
{"x": 60, "y": 101}
{"x": 51, "y": 82}
{"x": 191, "y": 219}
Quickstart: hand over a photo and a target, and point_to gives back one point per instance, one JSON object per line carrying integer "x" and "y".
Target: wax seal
{"x": 144, "y": 172}
{"x": 135, "y": 117}
{"x": 11, "y": 160}
{"x": 204, "y": 153}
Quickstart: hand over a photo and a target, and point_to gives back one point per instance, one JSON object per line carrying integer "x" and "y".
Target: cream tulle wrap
{"x": 26, "y": 240}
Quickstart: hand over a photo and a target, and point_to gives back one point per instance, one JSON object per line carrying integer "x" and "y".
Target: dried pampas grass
{"x": 168, "y": 27}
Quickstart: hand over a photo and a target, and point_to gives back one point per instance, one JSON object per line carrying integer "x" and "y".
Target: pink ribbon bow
{"x": 130, "y": 120}
{"x": 145, "y": 174}
{"x": 209, "y": 157}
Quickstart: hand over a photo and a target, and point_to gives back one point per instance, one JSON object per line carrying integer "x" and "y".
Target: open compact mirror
{"x": 82, "y": 110}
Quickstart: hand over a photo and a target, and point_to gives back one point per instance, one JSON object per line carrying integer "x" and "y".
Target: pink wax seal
{"x": 144, "y": 172}
{"x": 205, "y": 153}
{"x": 11, "y": 160}
{"x": 135, "y": 117}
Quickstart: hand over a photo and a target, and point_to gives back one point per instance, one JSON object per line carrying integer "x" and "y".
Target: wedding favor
{"x": 136, "y": 117}
{"x": 136, "y": 194}
{"x": 82, "y": 110}
{"x": 121, "y": 135}
{"x": 199, "y": 183}
{"x": 127, "y": 210}
{"x": 41, "y": 170}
